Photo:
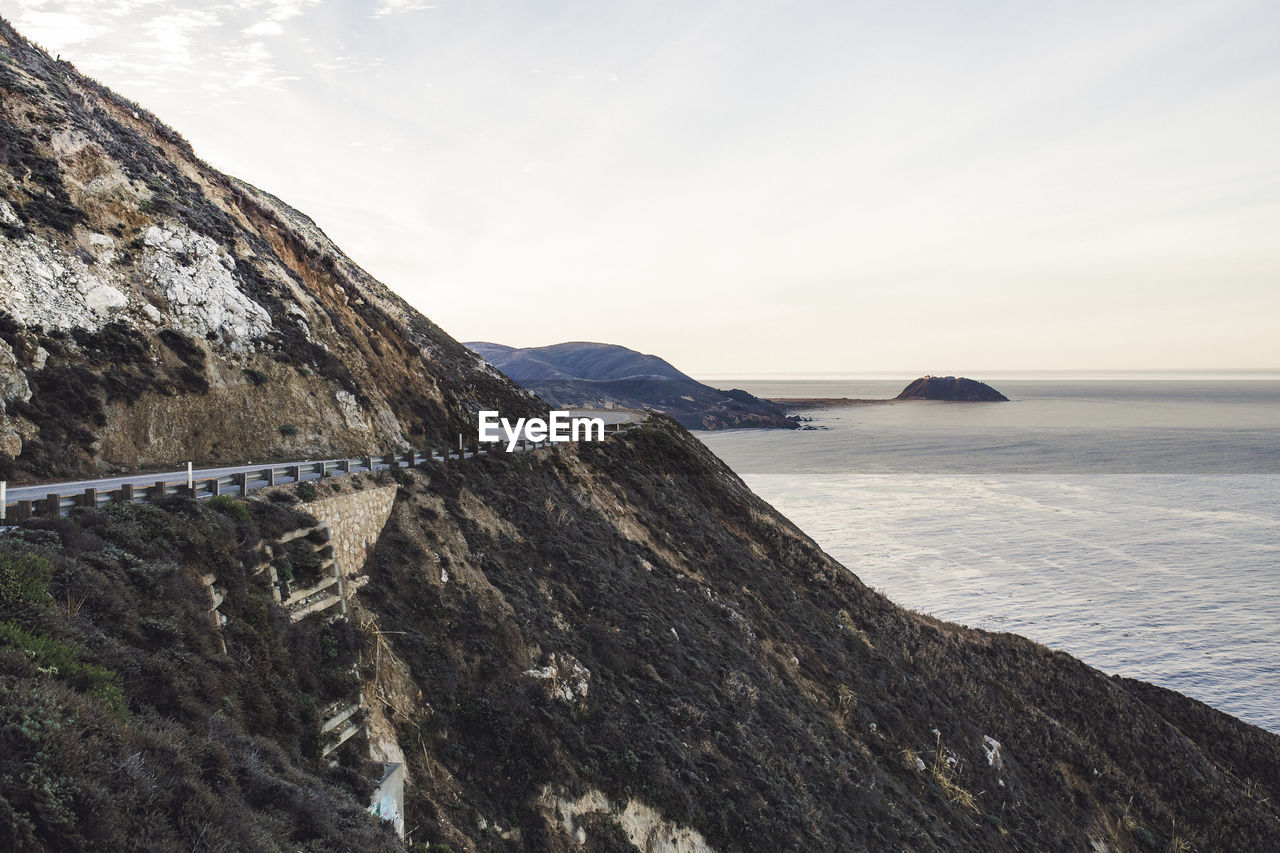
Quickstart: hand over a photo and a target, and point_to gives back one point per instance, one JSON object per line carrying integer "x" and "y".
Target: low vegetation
{"x": 746, "y": 686}
{"x": 123, "y": 724}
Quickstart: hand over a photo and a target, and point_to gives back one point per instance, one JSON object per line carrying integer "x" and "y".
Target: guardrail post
{"x": 390, "y": 460}
{"x": 295, "y": 471}
{"x": 242, "y": 482}
{"x": 125, "y": 493}
{"x": 344, "y": 465}
{"x": 53, "y": 505}
{"x": 157, "y": 491}
{"x": 23, "y": 511}
{"x": 214, "y": 488}
{"x": 368, "y": 462}
{"x": 271, "y": 476}
{"x": 90, "y": 498}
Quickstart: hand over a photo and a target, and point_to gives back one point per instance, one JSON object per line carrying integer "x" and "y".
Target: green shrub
{"x": 287, "y": 430}
{"x": 306, "y": 492}
{"x": 303, "y": 558}
{"x": 24, "y": 581}
{"x": 231, "y": 508}
{"x": 55, "y": 658}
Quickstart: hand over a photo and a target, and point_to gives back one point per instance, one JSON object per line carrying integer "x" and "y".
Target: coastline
{"x": 805, "y": 404}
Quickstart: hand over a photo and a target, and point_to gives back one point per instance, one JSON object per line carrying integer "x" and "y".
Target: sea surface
{"x": 1134, "y": 523}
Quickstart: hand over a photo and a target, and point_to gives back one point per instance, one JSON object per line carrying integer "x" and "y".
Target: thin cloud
{"x": 264, "y": 28}
{"x": 60, "y": 29}
{"x": 400, "y": 7}
{"x": 169, "y": 45}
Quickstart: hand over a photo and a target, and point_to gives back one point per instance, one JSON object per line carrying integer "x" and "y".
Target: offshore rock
{"x": 953, "y": 388}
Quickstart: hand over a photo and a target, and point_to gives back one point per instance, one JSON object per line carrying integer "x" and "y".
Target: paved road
{"x": 611, "y": 417}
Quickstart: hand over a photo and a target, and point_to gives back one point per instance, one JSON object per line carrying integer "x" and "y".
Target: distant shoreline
{"x": 800, "y": 404}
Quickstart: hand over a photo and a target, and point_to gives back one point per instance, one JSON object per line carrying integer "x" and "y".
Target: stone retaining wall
{"x": 355, "y": 521}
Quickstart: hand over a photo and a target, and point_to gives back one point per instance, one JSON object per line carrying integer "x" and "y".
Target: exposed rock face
{"x": 597, "y": 375}
{"x": 644, "y": 827}
{"x": 160, "y": 311}
{"x": 951, "y": 388}
{"x": 200, "y": 288}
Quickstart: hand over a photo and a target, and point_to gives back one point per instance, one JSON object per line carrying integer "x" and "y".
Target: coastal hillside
{"x": 153, "y": 309}
{"x": 576, "y": 360}
{"x": 594, "y": 375}
{"x": 609, "y": 646}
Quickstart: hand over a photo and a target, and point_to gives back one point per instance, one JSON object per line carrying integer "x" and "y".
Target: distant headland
{"x": 597, "y": 375}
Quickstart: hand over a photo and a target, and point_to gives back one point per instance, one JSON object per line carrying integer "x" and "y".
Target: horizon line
{"x": 1161, "y": 374}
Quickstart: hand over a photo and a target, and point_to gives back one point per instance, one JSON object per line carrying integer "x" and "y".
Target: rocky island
{"x": 952, "y": 388}
{"x": 609, "y": 646}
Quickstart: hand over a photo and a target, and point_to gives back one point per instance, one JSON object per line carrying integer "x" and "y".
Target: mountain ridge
{"x": 597, "y": 375}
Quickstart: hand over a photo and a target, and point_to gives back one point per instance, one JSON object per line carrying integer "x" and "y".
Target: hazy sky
{"x": 759, "y": 185}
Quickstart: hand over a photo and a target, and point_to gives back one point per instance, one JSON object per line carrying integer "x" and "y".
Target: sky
{"x": 757, "y": 186}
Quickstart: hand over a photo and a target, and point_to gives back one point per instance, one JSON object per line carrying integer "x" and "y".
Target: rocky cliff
{"x": 614, "y": 646}
{"x": 153, "y": 309}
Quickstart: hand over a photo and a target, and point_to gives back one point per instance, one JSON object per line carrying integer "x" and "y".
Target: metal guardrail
{"x": 241, "y": 483}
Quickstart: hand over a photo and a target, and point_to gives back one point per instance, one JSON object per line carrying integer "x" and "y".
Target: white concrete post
{"x": 4, "y": 498}
{"x": 190, "y": 483}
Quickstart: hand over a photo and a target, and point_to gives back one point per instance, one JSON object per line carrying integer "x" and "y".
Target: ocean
{"x": 1134, "y": 523}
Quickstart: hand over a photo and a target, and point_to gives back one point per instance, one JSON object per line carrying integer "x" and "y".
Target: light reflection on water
{"x": 1137, "y": 528}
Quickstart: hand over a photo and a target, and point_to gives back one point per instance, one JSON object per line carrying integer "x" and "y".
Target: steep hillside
{"x": 153, "y": 310}
{"x": 610, "y": 647}
{"x": 592, "y": 375}
{"x": 634, "y": 627}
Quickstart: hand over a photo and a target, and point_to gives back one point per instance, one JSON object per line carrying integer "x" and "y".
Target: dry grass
{"x": 946, "y": 770}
